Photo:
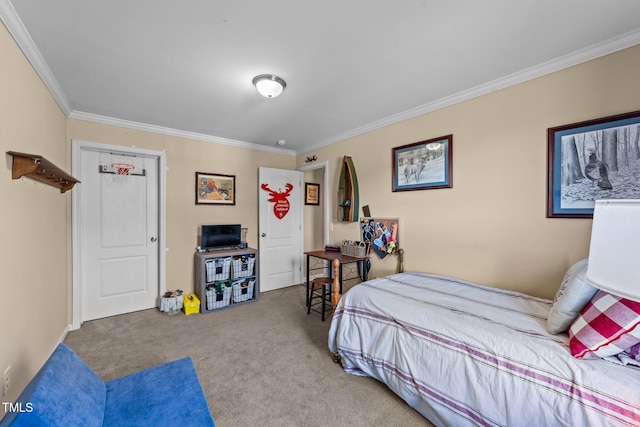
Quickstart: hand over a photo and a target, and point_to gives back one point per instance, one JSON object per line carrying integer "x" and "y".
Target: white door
{"x": 280, "y": 210}
{"x": 119, "y": 229}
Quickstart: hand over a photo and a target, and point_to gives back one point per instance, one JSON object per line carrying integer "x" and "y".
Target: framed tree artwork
{"x": 595, "y": 159}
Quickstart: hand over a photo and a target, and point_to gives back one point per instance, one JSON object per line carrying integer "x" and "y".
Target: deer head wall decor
{"x": 280, "y": 199}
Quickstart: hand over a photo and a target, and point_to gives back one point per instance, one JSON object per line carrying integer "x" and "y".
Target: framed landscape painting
{"x": 595, "y": 159}
{"x": 423, "y": 165}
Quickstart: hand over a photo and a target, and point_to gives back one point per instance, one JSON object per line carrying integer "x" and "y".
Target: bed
{"x": 463, "y": 354}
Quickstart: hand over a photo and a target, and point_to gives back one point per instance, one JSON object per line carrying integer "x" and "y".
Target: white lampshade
{"x": 268, "y": 85}
{"x": 614, "y": 254}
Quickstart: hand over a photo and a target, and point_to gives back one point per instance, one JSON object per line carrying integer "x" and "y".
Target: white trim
{"x": 76, "y": 164}
{"x": 64, "y": 334}
{"x": 589, "y": 53}
{"x": 79, "y": 115}
{"x": 325, "y": 196}
{"x": 15, "y": 26}
{"x": 22, "y": 37}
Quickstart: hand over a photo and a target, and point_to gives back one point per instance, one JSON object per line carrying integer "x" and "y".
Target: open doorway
{"x": 316, "y": 217}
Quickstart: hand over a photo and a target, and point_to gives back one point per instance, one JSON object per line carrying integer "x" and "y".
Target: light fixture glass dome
{"x": 268, "y": 85}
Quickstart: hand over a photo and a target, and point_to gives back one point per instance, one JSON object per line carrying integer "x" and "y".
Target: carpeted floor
{"x": 260, "y": 364}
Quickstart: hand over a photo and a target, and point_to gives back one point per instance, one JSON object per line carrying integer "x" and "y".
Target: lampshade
{"x": 614, "y": 254}
{"x": 268, "y": 85}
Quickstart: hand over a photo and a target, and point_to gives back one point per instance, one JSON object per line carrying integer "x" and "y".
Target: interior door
{"x": 280, "y": 211}
{"x": 119, "y": 221}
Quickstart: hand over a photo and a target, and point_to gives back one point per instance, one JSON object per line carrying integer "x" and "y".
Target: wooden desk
{"x": 330, "y": 256}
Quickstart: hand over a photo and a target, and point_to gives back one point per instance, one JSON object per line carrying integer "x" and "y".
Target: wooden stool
{"x": 326, "y": 290}
{"x": 320, "y": 289}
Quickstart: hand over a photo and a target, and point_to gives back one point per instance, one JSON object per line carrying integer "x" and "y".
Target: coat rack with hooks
{"x": 40, "y": 169}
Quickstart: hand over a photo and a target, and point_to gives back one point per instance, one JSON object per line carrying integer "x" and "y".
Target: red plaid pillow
{"x": 607, "y": 326}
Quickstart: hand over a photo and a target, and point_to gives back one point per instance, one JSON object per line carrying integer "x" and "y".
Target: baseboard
{"x": 64, "y": 334}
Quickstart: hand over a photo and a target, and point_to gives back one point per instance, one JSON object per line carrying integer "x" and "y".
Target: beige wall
{"x": 185, "y": 157}
{"x": 491, "y": 227}
{"x": 34, "y": 223}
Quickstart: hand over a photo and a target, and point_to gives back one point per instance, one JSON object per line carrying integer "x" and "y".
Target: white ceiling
{"x": 185, "y": 67}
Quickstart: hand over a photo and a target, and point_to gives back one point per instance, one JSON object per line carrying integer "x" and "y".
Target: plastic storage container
{"x": 191, "y": 304}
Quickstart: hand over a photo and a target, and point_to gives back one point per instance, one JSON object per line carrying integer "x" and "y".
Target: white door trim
{"x": 76, "y": 165}
{"x": 325, "y": 196}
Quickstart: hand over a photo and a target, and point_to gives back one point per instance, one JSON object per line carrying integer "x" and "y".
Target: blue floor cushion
{"x": 67, "y": 392}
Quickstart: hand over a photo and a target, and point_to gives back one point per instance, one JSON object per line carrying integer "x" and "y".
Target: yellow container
{"x": 191, "y": 304}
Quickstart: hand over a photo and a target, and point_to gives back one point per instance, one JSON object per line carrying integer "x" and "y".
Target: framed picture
{"x": 424, "y": 165}
{"x": 595, "y": 159}
{"x": 215, "y": 189}
{"x": 311, "y": 194}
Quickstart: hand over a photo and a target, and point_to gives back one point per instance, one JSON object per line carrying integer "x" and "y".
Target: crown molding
{"x": 19, "y": 33}
{"x": 15, "y": 26}
{"x": 95, "y": 118}
{"x": 575, "y": 58}
{"x": 22, "y": 37}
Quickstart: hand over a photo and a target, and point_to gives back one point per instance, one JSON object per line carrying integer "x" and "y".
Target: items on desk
{"x": 353, "y": 248}
{"x": 332, "y": 248}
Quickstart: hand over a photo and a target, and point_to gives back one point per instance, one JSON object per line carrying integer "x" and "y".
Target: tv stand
{"x": 236, "y": 271}
{"x": 223, "y": 248}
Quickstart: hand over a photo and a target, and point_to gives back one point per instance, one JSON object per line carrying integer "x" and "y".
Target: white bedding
{"x": 465, "y": 355}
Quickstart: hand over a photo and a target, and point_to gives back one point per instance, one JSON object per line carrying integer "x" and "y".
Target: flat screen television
{"x": 220, "y": 236}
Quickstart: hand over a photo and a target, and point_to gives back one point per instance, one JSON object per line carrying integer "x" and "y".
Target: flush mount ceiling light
{"x": 268, "y": 85}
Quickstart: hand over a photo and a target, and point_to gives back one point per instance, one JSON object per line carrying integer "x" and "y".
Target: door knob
{"x": 264, "y": 234}
{"x": 154, "y": 239}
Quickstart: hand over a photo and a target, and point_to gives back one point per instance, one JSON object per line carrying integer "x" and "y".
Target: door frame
{"x": 76, "y": 234}
{"x": 325, "y": 197}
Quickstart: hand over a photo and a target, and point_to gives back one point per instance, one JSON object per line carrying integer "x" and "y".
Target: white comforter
{"x": 465, "y": 355}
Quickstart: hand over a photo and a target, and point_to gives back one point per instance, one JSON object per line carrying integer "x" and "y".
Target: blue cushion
{"x": 165, "y": 395}
{"x": 65, "y": 392}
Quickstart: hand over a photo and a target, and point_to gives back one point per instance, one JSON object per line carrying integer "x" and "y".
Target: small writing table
{"x": 330, "y": 256}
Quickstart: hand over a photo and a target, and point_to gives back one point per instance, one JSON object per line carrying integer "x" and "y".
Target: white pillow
{"x": 574, "y": 294}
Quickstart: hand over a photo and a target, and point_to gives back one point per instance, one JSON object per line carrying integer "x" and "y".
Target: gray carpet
{"x": 260, "y": 364}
